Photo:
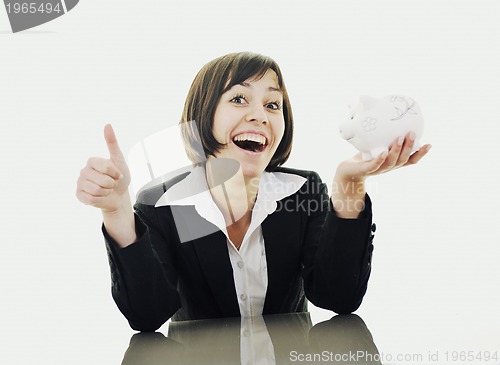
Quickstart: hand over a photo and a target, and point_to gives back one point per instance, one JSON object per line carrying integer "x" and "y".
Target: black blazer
{"x": 310, "y": 253}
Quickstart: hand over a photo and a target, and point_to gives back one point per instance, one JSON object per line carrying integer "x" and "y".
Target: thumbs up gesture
{"x": 103, "y": 182}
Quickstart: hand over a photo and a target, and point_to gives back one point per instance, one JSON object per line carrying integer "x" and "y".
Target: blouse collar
{"x": 193, "y": 191}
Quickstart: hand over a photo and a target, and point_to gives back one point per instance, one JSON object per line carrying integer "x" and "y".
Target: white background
{"x": 436, "y": 274}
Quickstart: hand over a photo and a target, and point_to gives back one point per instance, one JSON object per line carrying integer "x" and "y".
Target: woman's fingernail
{"x": 429, "y": 148}
{"x": 401, "y": 140}
{"x": 412, "y": 136}
{"x": 384, "y": 154}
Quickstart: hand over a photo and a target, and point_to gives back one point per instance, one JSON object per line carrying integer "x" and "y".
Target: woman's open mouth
{"x": 250, "y": 142}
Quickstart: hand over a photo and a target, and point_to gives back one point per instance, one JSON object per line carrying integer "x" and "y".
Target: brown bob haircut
{"x": 213, "y": 80}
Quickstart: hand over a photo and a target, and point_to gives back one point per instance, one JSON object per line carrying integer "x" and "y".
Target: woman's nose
{"x": 257, "y": 113}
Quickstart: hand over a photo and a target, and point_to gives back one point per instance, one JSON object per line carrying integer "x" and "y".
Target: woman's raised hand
{"x": 103, "y": 182}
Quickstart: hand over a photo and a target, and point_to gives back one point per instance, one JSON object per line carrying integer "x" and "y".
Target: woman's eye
{"x": 238, "y": 99}
{"x": 274, "y": 105}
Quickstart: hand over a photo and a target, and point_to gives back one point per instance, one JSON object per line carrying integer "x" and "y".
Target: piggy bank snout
{"x": 346, "y": 131}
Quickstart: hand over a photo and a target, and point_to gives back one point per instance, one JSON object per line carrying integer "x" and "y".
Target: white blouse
{"x": 249, "y": 262}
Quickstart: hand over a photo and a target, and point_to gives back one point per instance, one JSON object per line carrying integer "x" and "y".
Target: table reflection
{"x": 266, "y": 340}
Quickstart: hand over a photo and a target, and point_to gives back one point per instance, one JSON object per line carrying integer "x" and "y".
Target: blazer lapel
{"x": 281, "y": 232}
{"x": 214, "y": 260}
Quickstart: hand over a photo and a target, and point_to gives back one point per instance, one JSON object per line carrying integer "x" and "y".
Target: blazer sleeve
{"x": 337, "y": 254}
{"x": 143, "y": 274}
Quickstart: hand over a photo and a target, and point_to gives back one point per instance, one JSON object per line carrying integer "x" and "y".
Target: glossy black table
{"x": 275, "y": 339}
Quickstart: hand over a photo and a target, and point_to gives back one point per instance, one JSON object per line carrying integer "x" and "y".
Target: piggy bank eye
{"x": 352, "y": 114}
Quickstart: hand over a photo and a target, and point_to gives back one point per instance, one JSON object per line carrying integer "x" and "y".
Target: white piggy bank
{"x": 375, "y": 123}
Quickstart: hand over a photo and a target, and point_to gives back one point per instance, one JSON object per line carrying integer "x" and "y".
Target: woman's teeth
{"x": 250, "y": 142}
{"x": 250, "y": 137}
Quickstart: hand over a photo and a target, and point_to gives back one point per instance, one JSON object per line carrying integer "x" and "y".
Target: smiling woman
{"x": 263, "y": 241}
{"x": 250, "y": 121}
{"x": 238, "y": 84}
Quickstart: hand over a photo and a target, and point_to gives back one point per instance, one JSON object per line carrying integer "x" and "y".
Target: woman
{"x": 261, "y": 241}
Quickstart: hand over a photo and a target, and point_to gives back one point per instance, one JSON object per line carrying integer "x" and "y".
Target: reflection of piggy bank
{"x": 375, "y": 123}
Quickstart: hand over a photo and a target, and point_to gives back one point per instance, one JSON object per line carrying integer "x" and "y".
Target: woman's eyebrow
{"x": 270, "y": 88}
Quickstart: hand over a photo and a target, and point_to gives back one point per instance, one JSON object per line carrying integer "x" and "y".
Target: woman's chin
{"x": 251, "y": 170}
{"x": 252, "y": 165}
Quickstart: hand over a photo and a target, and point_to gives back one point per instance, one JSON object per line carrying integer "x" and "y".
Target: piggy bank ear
{"x": 367, "y": 102}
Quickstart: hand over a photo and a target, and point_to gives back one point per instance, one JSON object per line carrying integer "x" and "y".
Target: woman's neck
{"x": 235, "y": 197}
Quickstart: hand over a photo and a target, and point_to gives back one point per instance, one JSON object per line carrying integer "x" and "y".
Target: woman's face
{"x": 249, "y": 121}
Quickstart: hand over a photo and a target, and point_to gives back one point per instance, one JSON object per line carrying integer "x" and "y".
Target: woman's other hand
{"x": 348, "y": 189}
{"x": 399, "y": 155}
